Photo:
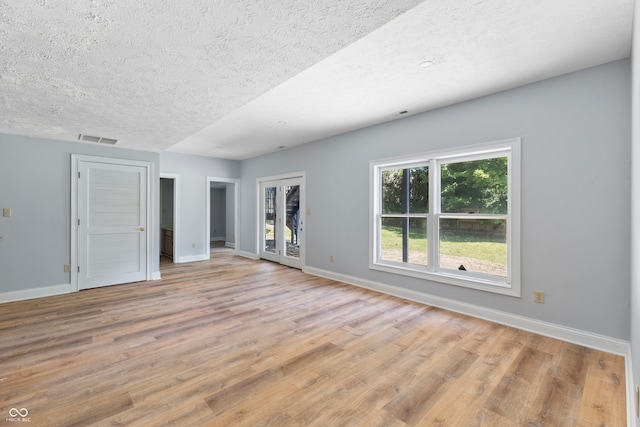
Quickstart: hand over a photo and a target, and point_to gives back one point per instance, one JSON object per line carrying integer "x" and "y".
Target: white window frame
{"x": 506, "y": 286}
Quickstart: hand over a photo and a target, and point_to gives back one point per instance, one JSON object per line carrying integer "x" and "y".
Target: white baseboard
{"x": 230, "y": 245}
{"x": 193, "y": 258}
{"x": 217, "y": 239}
{"x": 35, "y": 293}
{"x": 248, "y": 255}
{"x": 156, "y": 275}
{"x": 575, "y": 336}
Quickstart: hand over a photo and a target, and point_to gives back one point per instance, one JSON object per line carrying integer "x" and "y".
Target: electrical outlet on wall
{"x": 538, "y": 296}
{"x": 6, "y": 212}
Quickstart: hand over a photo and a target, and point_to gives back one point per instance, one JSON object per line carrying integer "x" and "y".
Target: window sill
{"x": 482, "y": 284}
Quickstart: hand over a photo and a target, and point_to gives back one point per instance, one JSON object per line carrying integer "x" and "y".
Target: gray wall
{"x": 35, "y": 181}
{"x": 193, "y": 171}
{"x": 575, "y": 132}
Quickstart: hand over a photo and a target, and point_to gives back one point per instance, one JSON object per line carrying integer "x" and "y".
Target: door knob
{"x": 141, "y": 228}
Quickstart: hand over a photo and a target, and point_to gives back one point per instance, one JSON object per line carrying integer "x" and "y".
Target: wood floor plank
{"x": 457, "y": 405}
{"x": 416, "y": 401}
{"x": 552, "y": 404}
{"x": 233, "y": 341}
{"x": 603, "y": 378}
{"x": 318, "y": 392}
{"x": 237, "y": 392}
{"x": 514, "y": 393}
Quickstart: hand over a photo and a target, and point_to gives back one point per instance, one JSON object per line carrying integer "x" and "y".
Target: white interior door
{"x": 282, "y": 222}
{"x": 112, "y": 223}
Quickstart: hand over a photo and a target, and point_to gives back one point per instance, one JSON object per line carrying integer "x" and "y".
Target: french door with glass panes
{"x": 282, "y": 221}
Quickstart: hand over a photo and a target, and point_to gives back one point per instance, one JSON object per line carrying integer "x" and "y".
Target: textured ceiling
{"x": 235, "y": 79}
{"x": 152, "y": 72}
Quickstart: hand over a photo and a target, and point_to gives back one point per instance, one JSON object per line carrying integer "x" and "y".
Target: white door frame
{"x": 302, "y": 176}
{"x": 176, "y": 214}
{"x": 236, "y": 222}
{"x": 75, "y": 161}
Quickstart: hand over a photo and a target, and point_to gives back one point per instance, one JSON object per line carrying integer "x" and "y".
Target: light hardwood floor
{"x": 236, "y": 342}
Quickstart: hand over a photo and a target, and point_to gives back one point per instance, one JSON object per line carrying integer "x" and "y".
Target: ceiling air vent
{"x": 99, "y": 139}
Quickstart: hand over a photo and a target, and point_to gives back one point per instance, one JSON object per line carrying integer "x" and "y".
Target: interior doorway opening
{"x": 169, "y": 217}
{"x": 222, "y": 214}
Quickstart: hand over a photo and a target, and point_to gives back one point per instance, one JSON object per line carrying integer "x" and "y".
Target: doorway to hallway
{"x": 222, "y": 214}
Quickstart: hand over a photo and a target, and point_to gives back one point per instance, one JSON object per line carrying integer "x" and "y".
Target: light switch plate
{"x": 6, "y": 212}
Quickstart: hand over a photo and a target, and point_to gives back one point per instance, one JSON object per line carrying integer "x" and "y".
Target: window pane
{"x": 419, "y": 190}
{"x": 393, "y": 199}
{"x": 269, "y": 244}
{"x": 476, "y": 245}
{"x": 418, "y": 241}
{"x": 292, "y": 220}
{"x": 392, "y": 191}
{"x": 478, "y": 186}
{"x": 408, "y": 246}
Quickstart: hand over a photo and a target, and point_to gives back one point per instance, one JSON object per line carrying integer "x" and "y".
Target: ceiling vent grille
{"x": 90, "y": 138}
